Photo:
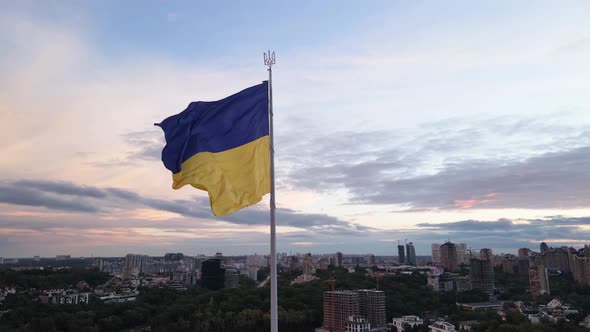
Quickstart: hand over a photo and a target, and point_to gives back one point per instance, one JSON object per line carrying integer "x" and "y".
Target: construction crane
{"x": 332, "y": 311}
{"x": 332, "y": 281}
{"x": 377, "y": 276}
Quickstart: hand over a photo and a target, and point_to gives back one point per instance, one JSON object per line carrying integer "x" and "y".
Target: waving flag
{"x": 222, "y": 147}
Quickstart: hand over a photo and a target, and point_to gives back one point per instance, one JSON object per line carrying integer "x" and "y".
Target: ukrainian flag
{"x": 222, "y": 147}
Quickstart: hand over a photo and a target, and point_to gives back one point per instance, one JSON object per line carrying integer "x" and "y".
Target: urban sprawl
{"x": 452, "y": 267}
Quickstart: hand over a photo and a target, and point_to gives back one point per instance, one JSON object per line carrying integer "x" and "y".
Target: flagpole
{"x": 269, "y": 60}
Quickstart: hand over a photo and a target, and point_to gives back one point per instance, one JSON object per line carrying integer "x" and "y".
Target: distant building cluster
{"x": 451, "y": 258}
{"x": 452, "y": 267}
{"x": 181, "y": 272}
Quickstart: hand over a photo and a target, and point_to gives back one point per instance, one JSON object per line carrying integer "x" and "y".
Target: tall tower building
{"x": 538, "y": 280}
{"x": 136, "y": 262}
{"x": 371, "y": 260}
{"x": 411, "y": 254}
{"x": 486, "y": 254}
{"x": 435, "y": 253}
{"x": 581, "y": 268}
{"x": 339, "y": 259}
{"x": 482, "y": 275}
{"x": 557, "y": 258}
{"x": 231, "y": 278}
{"x": 448, "y": 256}
{"x": 372, "y": 307}
{"x": 461, "y": 254}
{"x": 524, "y": 252}
{"x": 212, "y": 274}
{"x": 400, "y": 254}
{"x": 338, "y": 306}
{"x": 256, "y": 260}
{"x": 307, "y": 264}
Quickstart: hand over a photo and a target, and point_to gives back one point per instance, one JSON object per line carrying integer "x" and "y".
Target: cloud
{"x": 148, "y": 144}
{"x": 505, "y": 233}
{"x": 552, "y": 180}
{"x": 456, "y": 164}
{"x": 67, "y": 196}
{"x": 63, "y": 188}
{"x": 451, "y": 165}
{"x": 15, "y": 194}
{"x": 471, "y": 225}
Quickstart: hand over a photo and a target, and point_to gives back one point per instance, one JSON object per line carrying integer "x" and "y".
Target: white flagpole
{"x": 269, "y": 60}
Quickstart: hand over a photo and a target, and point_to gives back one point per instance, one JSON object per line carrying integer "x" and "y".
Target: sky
{"x": 420, "y": 120}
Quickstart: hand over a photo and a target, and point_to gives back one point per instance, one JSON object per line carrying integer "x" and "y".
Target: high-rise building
{"x": 411, "y": 254}
{"x": 580, "y": 266}
{"x": 372, "y": 307}
{"x": 173, "y": 257}
{"x": 482, "y": 275}
{"x": 461, "y": 254}
{"x": 371, "y": 260}
{"x": 512, "y": 265}
{"x": 524, "y": 252}
{"x": 448, "y": 256}
{"x": 338, "y": 306}
{"x": 307, "y": 264}
{"x": 436, "y": 253}
{"x": 322, "y": 264}
{"x": 293, "y": 263}
{"x": 339, "y": 259}
{"x": 401, "y": 256}
{"x": 538, "y": 280}
{"x": 232, "y": 278}
{"x": 136, "y": 263}
{"x": 544, "y": 247}
{"x": 256, "y": 260}
{"x": 212, "y": 274}
{"x": 486, "y": 254}
{"x": 556, "y": 258}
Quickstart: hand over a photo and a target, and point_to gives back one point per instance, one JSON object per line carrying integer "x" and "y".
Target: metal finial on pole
{"x": 269, "y": 60}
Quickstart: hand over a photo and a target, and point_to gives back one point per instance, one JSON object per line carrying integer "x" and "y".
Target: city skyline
{"x": 392, "y": 122}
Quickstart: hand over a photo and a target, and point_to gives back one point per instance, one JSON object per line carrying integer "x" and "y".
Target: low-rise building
{"x": 480, "y": 306}
{"x": 357, "y": 324}
{"x": 447, "y": 282}
{"x": 5, "y": 291}
{"x": 303, "y": 278}
{"x": 441, "y": 326}
{"x": 468, "y": 325}
{"x": 404, "y": 322}
{"x": 61, "y": 296}
{"x": 119, "y": 298}
{"x": 555, "y": 303}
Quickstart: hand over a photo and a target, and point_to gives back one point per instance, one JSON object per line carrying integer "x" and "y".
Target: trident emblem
{"x": 269, "y": 59}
